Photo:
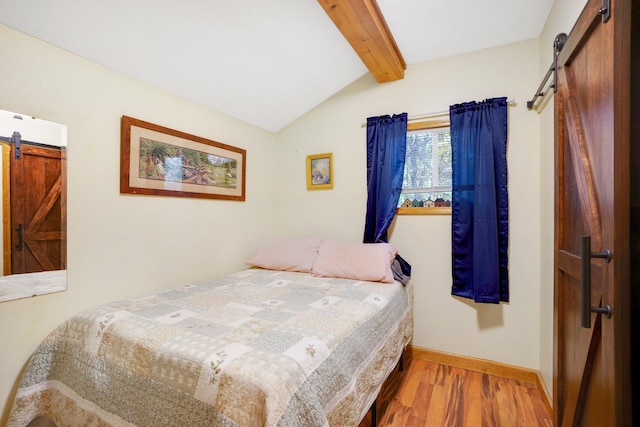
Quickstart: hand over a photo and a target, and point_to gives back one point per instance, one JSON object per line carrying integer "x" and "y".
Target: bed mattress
{"x": 258, "y": 347}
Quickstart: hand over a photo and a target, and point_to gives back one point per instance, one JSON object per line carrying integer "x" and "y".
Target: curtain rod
{"x": 510, "y": 102}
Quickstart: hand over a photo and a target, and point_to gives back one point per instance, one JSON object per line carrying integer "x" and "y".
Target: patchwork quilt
{"x": 255, "y": 348}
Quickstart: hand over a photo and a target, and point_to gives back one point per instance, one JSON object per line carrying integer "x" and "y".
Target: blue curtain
{"x": 386, "y": 149}
{"x": 479, "y": 202}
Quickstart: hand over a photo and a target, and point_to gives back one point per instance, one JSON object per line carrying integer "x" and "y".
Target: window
{"x": 426, "y": 188}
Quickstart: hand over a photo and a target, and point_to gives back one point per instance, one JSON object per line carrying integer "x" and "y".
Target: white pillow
{"x": 287, "y": 255}
{"x": 358, "y": 261}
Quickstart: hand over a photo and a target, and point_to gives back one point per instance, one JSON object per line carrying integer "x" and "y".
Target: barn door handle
{"x": 19, "y": 243}
{"x": 585, "y": 280}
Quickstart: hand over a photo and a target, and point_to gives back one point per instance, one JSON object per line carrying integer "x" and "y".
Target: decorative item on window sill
{"x": 437, "y": 203}
{"x": 439, "y": 206}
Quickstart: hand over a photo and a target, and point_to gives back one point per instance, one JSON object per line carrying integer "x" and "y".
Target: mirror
{"x": 33, "y": 214}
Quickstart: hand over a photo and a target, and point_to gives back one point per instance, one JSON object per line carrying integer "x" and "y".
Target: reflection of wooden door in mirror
{"x": 38, "y": 210}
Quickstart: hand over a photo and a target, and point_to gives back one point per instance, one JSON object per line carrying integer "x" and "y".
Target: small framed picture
{"x": 320, "y": 171}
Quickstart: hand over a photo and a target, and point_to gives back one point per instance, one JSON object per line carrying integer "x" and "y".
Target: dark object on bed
{"x": 41, "y": 422}
{"x": 401, "y": 270}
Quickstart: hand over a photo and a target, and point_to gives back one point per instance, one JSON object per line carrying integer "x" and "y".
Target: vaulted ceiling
{"x": 268, "y": 62}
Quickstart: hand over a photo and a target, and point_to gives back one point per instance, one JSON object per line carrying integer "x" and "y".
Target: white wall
{"x": 122, "y": 245}
{"x": 561, "y": 19}
{"x": 507, "y": 333}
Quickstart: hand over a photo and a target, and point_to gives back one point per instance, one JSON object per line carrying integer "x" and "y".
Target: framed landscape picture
{"x": 320, "y": 171}
{"x": 159, "y": 161}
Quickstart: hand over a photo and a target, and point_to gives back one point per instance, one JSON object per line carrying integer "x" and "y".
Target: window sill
{"x": 423, "y": 211}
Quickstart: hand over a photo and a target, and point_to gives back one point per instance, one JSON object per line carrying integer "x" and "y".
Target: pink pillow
{"x": 287, "y": 255}
{"x": 357, "y": 261}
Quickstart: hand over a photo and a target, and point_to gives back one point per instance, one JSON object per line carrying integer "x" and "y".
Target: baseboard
{"x": 544, "y": 392}
{"x": 503, "y": 370}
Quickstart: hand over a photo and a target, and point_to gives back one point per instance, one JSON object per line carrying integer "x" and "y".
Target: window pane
{"x": 428, "y": 171}
{"x": 444, "y": 156}
{"x": 417, "y": 171}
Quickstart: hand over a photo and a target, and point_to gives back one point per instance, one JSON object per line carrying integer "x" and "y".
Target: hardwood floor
{"x": 431, "y": 394}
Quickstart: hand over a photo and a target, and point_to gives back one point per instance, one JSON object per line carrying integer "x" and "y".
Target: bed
{"x": 270, "y": 347}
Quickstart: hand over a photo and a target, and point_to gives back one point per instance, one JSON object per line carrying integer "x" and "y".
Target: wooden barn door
{"x": 38, "y": 210}
{"x": 591, "y": 318}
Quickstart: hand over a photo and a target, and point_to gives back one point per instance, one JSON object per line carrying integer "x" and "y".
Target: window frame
{"x": 434, "y": 123}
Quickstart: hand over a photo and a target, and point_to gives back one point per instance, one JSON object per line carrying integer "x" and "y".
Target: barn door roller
{"x": 558, "y": 44}
{"x": 15, "y": 139}
{"x": 606, "y": 10}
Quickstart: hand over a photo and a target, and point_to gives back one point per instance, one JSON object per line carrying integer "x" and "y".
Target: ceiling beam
{"x": 362, "y": 24}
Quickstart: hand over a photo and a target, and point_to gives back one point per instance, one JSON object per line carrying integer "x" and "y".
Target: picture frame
{"x": 159, "y": 161}
{"x": 320, "y": 171}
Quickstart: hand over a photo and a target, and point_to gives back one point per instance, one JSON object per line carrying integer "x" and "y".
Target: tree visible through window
{"x": 427, "y": 171}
